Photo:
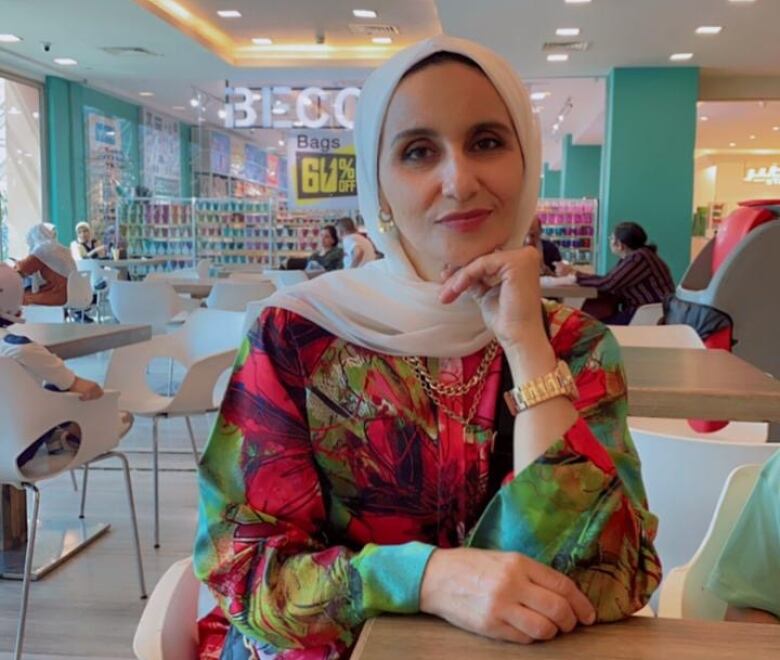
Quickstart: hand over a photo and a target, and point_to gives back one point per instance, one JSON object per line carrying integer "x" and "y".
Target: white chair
{"x": 284, "y": 278}
{"x": 683, "y": 478}
{"x": 28, "y": 412}
{"x": 648, "y": 314}
{"x": 241, "y": 276}
{"x": 151, "y": 303}
{"x": 234, "y": 295}
{"x": 206, "y": 346}
{"x": 253, "y": 311}
{"x": 79, "y": 291}
{"x": 168, "y": 627}
{"x": 43, "y": 314}
{"x": 683, "y": 595}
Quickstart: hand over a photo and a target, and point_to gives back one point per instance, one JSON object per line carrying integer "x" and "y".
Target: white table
{"x": 59, "y": 539}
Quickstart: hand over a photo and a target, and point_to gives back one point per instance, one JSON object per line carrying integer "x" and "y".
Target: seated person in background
{"x": 330, "y": 256}
{"x": 44, "y": 366}
{"x": 86, "y": 247}
{"x": 747, "y": 574}
{"x": 50, "y": 262}
{"x": 640, "y": 277}
{"x": 358, "y": 250}
{"x": 549, "y": 250}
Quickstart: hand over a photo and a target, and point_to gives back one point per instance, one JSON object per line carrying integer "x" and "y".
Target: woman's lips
{"x": 465, "y": 221}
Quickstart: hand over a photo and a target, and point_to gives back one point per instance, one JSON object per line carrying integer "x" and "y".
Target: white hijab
{"x": 385, "y": 306}
{"x": 42, "y": 241}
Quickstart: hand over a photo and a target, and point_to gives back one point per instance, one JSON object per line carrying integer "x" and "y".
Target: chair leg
{"x": 28, "y": 557}
{"x": 192, "y": 440}
{"x": 84, "y": 490}
{"x": 156, "y": 474}
{"x": 170, "y": 376}
{"x": 73, "y": 481}
{"x": 133, "y": 519}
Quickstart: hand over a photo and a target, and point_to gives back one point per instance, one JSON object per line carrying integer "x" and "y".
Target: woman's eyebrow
{"x": 413, "y": 133}
{"x": 499, "y": 126}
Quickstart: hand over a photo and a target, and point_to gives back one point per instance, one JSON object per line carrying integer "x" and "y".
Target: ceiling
{"x": 208, "y": 50}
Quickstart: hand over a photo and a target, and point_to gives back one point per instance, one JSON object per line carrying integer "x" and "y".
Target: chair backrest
{"x": 168, "y": 627}
{"x": 152, "y": 303}
{"x": 80, "y": 289}
{"x": 698, "y": 602}
{"x": 253, "y": 311}
{"x": 284, "y": 278}
{"x": 210, "y": 331}
{"x": 241, "y": 276}
{"x": 43, "y": 314}
{"x": 233, "y": 295}
{"x": 683, "y": 479}
{"x": 28, "y": 411}
{"x": 203, "y": 268}
{"x": 663, "y": 336}
{"x": 648, "y": 314}
{"x": 740, "y": 222}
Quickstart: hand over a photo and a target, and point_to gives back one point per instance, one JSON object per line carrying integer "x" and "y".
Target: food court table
{"x": 60, "y": 539}
{"x": 428, "y": 638}
{"x": 686, "y": 383}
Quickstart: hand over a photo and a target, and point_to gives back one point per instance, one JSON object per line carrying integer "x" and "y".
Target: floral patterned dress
{"x": 331, "y": 477}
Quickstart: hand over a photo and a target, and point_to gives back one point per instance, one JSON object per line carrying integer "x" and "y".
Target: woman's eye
{"x": 417, "y": 152}
{"x": 487, "y": 144}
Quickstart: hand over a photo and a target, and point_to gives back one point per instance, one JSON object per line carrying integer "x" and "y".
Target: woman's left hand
{"x": 506, "y": 286}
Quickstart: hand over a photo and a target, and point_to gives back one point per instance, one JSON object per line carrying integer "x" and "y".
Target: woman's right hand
{"x": 562, "y": 269}
{"x": 503, "y": 595}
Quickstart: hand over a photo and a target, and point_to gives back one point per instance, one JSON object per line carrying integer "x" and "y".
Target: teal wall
{"x": 647, "y": 162}
{"x": 551, "y": 183}
{"x": 65, "y": 103}
{"x": 580, "y": 170}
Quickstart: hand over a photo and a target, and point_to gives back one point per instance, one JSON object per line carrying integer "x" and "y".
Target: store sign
{"x": 321, "y": 170}
{"x": 769, "y": 176}
{"x": 314, "y": 107}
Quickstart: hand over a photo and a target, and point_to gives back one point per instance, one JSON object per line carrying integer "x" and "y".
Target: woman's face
{"x": 450, "y": 167}
{"x": 84, "y": 234}
{"x": 327, "y": 240}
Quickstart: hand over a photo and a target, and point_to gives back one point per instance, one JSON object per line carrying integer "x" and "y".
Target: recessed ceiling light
{"x": 741, "y": 1}
{"x": 279, "y": 110}
{"x": 776, "y": 128}
{"x": 9, "y": 38}
{"x": 732, "y": 144}
{"x": 257, "y": 96}
{"x": 222, "y": 113}
{"x": 65, "y": 61}
{"x": 680, "y": 57}
{"x": 382, "y": 40}
{"x": 194, "y": 102}
{"x": 262, "y": 41}
{"x": 561, "y": 117}
{"x": 577, "y": 2}
{"x": 556, "y": 127}
{"x": 281, "y": 143}
{"x": 752, "y": 137}
{"x": 704, "y": 118}
{"x": 364, "y": 13}
{"x": 229, "y": 13}
{"x": 537, "y": 109}
{"x": 36, "y": 115}
{"x": 568, "y": 32}
{"x": 145, "y": 93}
{"x": 709, "y": 29}
{"x": 539, "y": 96}
{"x": 558, "y": 57}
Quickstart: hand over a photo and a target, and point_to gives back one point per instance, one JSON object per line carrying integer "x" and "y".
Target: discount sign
{"x": 322, "y": 170}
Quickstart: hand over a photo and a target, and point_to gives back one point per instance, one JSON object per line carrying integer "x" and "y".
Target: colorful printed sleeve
{"x": 261, "y": 543}
{"x": 581, "y": 506}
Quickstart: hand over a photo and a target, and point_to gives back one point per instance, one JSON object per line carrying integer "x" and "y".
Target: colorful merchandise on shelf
{"x": 234, "y": 231}
{"x": 571, "y": 225}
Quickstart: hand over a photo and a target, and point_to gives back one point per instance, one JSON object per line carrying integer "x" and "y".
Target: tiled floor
{"x": 89, "y": 606}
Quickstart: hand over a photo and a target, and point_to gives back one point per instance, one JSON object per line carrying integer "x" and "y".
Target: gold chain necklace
{"x": 438, "y": 392}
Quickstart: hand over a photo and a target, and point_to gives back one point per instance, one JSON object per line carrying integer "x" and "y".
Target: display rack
{"x": 571, "y": 225}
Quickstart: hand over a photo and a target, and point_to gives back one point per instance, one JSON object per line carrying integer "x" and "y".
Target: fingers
{"x": 551, "y": 605}
{"x": 485, "y": 270}
{"x": 507, "y": 633}
{"x": 550, "y": 579}
{"x": 533, "y": 624}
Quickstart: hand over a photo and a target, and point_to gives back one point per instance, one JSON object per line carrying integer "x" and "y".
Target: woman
{"x": 330, "y": 255}
{"x": 639, "y": 278}
{"x": 352, "y": 469}
{"x": 49, "y": 263}
{"x": 86, "y": 247}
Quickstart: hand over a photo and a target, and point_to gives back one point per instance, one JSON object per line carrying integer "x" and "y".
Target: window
{"x": 20, "y": 164}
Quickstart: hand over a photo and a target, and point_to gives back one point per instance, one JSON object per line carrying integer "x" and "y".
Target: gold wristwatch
{"x": 559, "y": 382}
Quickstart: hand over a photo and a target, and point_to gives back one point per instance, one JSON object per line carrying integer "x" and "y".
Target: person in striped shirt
{"x": 640, "y": 277}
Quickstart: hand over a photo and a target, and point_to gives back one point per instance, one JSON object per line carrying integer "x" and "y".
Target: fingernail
{"x": 590, "y": 619}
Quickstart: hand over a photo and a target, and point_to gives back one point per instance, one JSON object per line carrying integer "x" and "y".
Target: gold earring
{"x": 386, "y": 223}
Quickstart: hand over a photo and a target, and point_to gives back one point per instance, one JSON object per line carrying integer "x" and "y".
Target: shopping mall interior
{"x": 206, "y": 150}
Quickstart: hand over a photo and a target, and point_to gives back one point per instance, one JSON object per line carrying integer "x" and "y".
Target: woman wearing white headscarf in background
{"x": 50, "y": 262}
{"x": 364, "y": 460}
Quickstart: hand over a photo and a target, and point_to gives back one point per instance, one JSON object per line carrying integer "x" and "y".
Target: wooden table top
{"x": 70, "y": 340}
{"x": 569, "y": 291}
{"x": 685, "y": 383}
{"x": 428, "y": 638}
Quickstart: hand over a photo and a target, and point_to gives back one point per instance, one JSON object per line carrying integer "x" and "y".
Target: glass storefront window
{"x": 20, "y": 164}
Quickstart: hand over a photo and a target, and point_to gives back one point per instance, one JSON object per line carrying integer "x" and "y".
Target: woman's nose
{"x": 459, "y": 179}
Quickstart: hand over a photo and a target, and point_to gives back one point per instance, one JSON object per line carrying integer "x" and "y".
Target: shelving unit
{"x": 571, "y": 225}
